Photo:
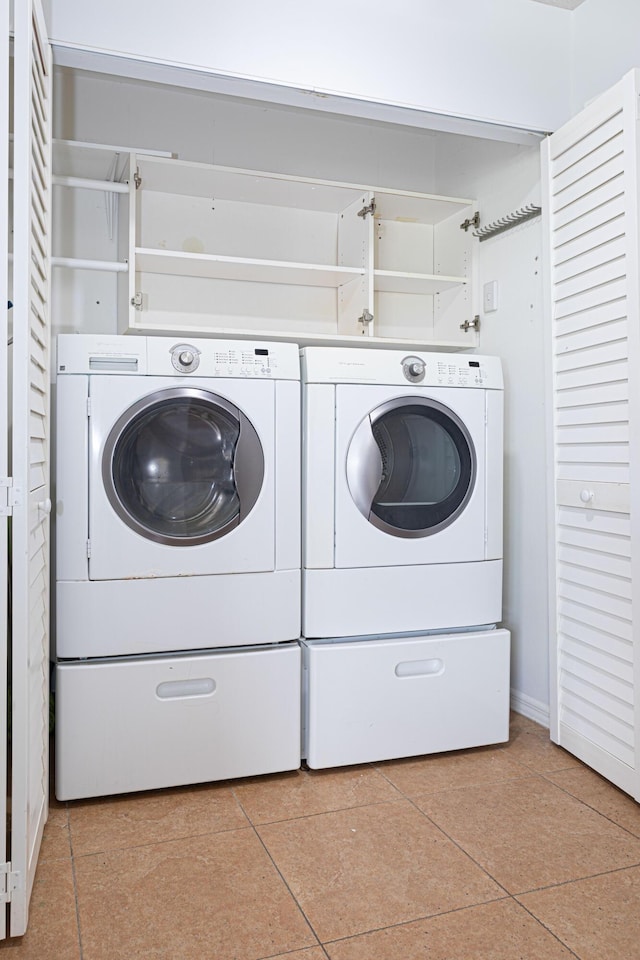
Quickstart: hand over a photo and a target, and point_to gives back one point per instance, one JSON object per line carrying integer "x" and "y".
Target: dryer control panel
{"x": 457, "y": 373}
{"x": 393, "y": 367}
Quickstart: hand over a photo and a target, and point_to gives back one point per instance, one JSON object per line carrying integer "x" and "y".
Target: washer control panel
{"x": 252, "y": 362}
{"x": 223, "y": 360}
{"x": 185, "y": 358}
{"x": 197, "y": 358}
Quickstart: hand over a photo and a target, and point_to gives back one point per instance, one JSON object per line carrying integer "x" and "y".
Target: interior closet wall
{"x": 502, "y": 176}
{"x": 505, "y": 178}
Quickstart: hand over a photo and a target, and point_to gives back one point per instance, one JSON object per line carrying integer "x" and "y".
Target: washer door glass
{"x": 411, "y": 467}
{"x": 183, "y": 466}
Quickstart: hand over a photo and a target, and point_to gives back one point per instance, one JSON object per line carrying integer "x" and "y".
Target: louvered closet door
{"x": 4, "y": 420}
{"x": 30, "y": 446}
{"x": 591, "y": 171}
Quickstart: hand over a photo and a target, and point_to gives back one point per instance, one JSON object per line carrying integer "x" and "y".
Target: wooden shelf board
{"x": 306, "y": 339}
{"x": 245, "y": 186}
{"x": 238, "y": 268}
{"x": 389, "y": 281}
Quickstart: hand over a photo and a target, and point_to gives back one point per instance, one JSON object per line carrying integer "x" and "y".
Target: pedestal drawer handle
{"x": 179, "y": 689}
{"x": 420, "y": 668}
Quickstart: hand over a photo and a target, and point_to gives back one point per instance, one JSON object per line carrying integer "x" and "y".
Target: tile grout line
{"x": 279, "y": 872}
{"x": 615, "y": 823}
{"x": 402, "y": 797}
{"x": 323, "y": 813}
{"x": 567, "y": 883}
{"x": 549, "y": 930}
{"x": 459, "y": 847}
{"x": 151, "y": 843}
{"x": 455, "y": 842}
{"x": 75, "y": 885}
{"x": 289, "y": 953}
{"x": 602, "y": 873}
{"x": 529, "y": 775}
{"x": 422, "y": 919}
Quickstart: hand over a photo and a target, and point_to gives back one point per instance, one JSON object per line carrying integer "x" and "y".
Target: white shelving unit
{"x": 195, "y": 249}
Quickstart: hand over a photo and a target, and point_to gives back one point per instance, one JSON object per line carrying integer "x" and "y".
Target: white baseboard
{"x": 530, "y": 708}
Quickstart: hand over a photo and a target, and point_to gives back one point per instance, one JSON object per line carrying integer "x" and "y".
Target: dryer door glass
{"x": 183, "y": 467}
{"x": 411, "y": 467}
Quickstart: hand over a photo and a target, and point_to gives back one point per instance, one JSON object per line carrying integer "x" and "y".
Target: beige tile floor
{"x": 513, "y": 852}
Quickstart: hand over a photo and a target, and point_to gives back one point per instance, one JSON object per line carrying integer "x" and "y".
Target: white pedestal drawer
{"x": 125, "y": 725}
{"x": 370, "y": 699}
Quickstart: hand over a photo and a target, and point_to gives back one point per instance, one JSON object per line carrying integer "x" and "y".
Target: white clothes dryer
{"x": 177, "y": 562}
{"x": 402, "y": 491}
{"x": 178, "y": 494}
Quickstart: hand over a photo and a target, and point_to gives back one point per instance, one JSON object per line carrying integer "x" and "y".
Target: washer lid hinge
{"x": 9, "y": 882}
{"x": 369, "y": 208}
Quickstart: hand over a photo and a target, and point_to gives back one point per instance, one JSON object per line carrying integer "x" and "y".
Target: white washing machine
{"x": 177, "y": 561}
{"x": 402, "y": 555}
{"x": 402, "y": 491}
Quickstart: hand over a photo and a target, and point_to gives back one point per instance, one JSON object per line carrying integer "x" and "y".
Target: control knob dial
{"x": 413, "y": 369}
{"x": 185, "y": 358}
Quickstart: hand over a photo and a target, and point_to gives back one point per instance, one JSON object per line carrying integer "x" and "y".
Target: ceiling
{"x": 564, "y": 4}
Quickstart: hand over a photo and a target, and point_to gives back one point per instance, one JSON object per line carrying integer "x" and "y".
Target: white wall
{"x": 224, "y": 130}
{"x": 497, "y": 60}
{"x": 606, "y": 44}
{"x": 506, "y": 178}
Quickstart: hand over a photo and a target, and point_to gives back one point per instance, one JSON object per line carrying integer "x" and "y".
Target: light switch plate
{"x": 490, "y": 296}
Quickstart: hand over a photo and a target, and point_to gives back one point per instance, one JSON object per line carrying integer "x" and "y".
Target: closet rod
{"x": 75, "y": 263}
{"x": 106, "y": 186}
{"x": 506, "y": 223}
